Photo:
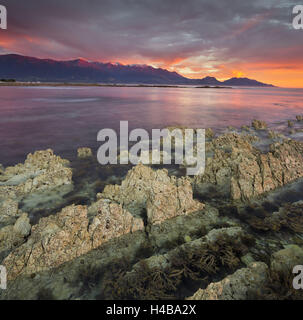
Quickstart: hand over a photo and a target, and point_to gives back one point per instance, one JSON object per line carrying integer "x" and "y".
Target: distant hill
{"x": 22, "y": 68}
{"x": 245, "y": 82}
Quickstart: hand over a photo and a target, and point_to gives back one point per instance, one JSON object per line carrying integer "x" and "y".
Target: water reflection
{"x": 67, "y": 118}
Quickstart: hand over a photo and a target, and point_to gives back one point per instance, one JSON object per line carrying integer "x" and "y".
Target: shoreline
{"x": 61, "y": 84}
{"x": 68, "y": 219}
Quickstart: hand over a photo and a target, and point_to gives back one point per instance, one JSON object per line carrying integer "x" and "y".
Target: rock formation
{"x": 245, "y": 172}
{"x": 40, "y": 171}
{"x": 67, "y": 235}
{"x": 237, "y": 286}
{"x": 259, "y": 125}
{"x": 155, "y": 193}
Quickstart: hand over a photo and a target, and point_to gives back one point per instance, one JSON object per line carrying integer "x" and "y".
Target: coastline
{"x": 152, "y": 222}
{"x": 61, "y": 84}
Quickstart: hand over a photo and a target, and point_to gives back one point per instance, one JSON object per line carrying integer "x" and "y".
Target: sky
{"x": 195, "y": 38}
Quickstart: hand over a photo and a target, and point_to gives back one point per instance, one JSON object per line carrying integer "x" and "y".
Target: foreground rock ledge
{"x": 67, "y": 235}
{"x": 236, "y": 286}
{"x": 78, "y": 229}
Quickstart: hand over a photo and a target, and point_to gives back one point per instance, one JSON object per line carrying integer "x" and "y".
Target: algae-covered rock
{"x": 237, "y": 286}
{"x": 283, "y": 261}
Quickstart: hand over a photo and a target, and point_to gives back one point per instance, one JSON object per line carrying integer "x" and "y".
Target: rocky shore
{"x": 234, "y": 232}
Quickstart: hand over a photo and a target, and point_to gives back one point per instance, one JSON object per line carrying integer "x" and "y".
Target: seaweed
{"x": 289, "y": 217}
{"x": 279, "y": 286}
{"x": 197, "y": 264}
{"x": 89, "y": 276}
{"x": 45, "y": 294}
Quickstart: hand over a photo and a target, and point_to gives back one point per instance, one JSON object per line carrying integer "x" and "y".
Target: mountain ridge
{"x": 25, "y": 68}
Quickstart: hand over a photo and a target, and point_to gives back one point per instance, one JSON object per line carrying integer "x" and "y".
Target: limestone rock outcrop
{"x": 245, "y": 172}
{"x": 67, "y": 235}
{"x": 41, "y": 171}
{"x": 162, "y": 197}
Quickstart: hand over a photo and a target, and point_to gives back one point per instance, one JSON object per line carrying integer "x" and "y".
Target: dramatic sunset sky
{"x": 196, "y": 38}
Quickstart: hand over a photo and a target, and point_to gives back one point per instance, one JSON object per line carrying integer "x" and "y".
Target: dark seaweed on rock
{"x": 289, "y": 217}
{"x": 198, "y": 264}
{"x": 279, "y": 286}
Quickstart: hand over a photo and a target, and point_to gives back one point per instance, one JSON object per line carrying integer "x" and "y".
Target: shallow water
{"x": 65, "y": 118}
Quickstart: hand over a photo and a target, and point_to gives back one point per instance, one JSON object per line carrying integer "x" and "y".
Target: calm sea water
{"x": 36, "y": 118}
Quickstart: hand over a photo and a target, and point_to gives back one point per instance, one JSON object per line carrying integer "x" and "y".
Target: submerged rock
{"x": 84, "y": 152}
{"x": 41, "y": 171}
{"x": 259, "y": 125}
{"x": 153, "y": 192}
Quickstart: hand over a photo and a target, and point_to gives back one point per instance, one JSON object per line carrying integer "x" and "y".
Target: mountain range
{"x": 23, "y": 68}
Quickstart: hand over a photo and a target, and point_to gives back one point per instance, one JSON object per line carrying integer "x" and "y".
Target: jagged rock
{"x": 8, "y": 211}
{"x": 67, "y": 235}
{"x": 209, "y": 133}
{"x": 236, "y": 286}
{"x": 284, "y": 260}
{"x": 259, "y": 125}
{"x": 299, "y": 118}
{"x": 22, "y": 225}
{"x": 145, "y": 190}
{"x": 244, "y": 172}
{"x": 9, "y": 239}
{"x": 84, "y": 152}
{"x": 40, "y": 171}
{"x": 111, "y": 221}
